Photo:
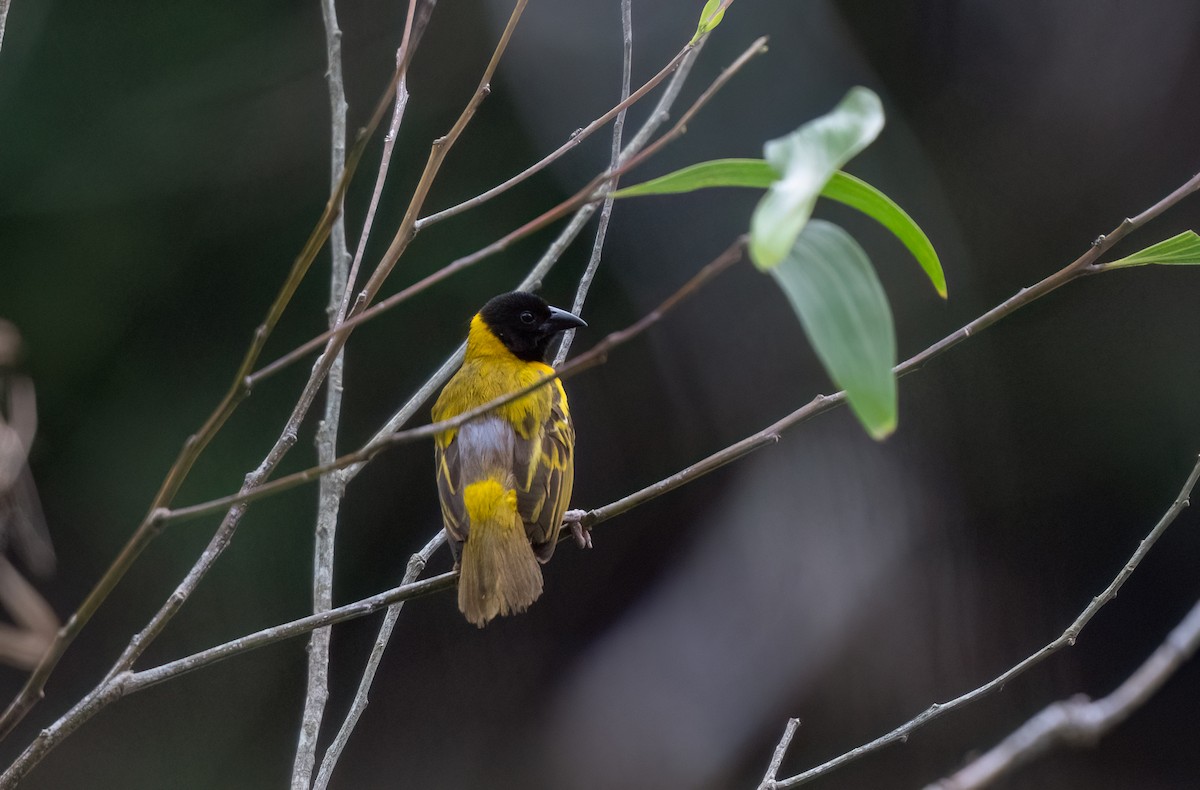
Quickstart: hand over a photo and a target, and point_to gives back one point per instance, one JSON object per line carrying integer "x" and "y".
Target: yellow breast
{"x": 490, "y": 371}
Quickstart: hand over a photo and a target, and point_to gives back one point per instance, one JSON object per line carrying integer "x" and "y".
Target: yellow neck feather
{"x": 482, "y": 341}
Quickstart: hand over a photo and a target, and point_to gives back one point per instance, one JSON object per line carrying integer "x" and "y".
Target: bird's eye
{"x": 526, "y": 317}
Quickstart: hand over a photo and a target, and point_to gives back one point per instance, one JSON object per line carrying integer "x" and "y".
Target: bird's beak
{"x": 560, "y": 320}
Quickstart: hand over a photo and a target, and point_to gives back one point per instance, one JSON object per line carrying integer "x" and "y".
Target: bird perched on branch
{"x": 504, "y": 479}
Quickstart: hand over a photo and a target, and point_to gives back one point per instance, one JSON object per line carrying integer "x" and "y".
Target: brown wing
{"x": 454, "y": 512}
{"x": 545, "y": 471}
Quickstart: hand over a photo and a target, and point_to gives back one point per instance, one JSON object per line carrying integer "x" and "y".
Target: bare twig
{"x": 330, "y": 490}
{"x": 4, "y": 4}
{"x": 437, "y": 155}
{"x": 1066, "y": 638}
{"x": 1079, "y": 721}
{"x": 589, "y": 273}
{"x": 627, "y": 100}
{"x": 416, "y": 564}
{"x": 789, "y": 732}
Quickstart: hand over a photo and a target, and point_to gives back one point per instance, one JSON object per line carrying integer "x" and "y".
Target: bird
{"x": 504, "y": 479}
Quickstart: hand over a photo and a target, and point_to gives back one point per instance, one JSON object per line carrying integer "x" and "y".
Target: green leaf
{"x": 710, "y": 17}
{"x": 860, "y": 195}
{"x": 806, "y": 159}
{"x": 842, "y": 187}
{"x": 715, "y": 173}
{"x": 1181, "y": 250}
{"x": 841, "y": 305}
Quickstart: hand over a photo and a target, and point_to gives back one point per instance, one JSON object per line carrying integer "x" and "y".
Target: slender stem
{"x": 437, "y": 155}
{"x": 330, "y": 490}
{"x": 1067, "y": 637}
{"x": 4, "y": 5}
{"x": 1078, "y": 721}
{"x": 589, "y": 272}
{"x": 416, "y": 564}
{"x": 627, "y": 100}
{"x": 789, "y": 732}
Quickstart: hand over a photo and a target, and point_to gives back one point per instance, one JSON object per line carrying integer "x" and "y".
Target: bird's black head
{"x": 525, "y": 324}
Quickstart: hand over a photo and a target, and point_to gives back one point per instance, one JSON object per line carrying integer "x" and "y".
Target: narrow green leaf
{"x": 703, "y": 175}
{"x": 1181, "y": 250}
{"x": 710, "y": 17}
{"x": 860, "y": 195}
{"x": 841, "y": 305}
{"x": 806, "y": 159}
{"x": 842, "y": 187}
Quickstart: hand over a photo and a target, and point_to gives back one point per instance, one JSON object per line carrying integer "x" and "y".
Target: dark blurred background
{"x": 161, "y": 165}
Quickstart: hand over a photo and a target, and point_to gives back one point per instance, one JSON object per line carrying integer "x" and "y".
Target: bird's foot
{"x": 583, "y": 534}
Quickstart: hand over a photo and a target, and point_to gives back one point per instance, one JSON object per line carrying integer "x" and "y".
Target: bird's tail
{"x": 499, "y": 573}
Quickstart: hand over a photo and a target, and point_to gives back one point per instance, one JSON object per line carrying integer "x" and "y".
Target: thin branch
{"x": 589, "y": 273}
{"x": 627, "y": 100}
{"x": 789, "y": 732}
{"x": 4, "y": 4}
{"x": 1067, "y": 638}
{"x": 330, "y": 490}
{"x": 416, "y": 564}
{"x": 437, "y": 155}
{"x": 1078, "y": 721}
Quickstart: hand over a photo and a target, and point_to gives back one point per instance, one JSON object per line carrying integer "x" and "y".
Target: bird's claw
{"x": 583, "y": 535}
